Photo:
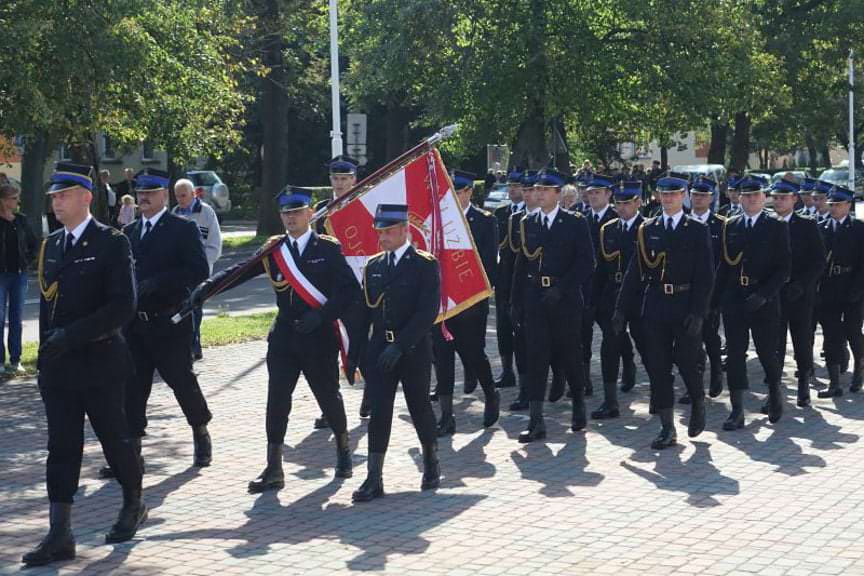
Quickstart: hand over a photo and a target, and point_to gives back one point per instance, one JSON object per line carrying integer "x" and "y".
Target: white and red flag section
{"x": 304, "y": 288}
{"x": 437, "y": 225}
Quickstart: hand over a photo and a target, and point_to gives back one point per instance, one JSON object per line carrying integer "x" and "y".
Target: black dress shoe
{"x": 321, "y": 423}
{"x": 830, "y": 393}
{"x": 766, "y": 407}
{"x": 59, "y": 543}
{"x": 272, "y": 478}
{"x": 106, "y": 473}
{"x": 697, "y": 419}
{"x": 605, "y": 412}
{"x": 532, "y": 433}
{"x": 519, "y": 405}
{"x": 369, "y": 490}
{"x": 715, "y": 388}
{"x": 803, "y": 402}
{"x": 203, "y": 447}
{"x": 667, "y": 438}
{"x": 578, "y": 422}
{"x": 365, "y": 407}
{"x": 492, "y": 408}
{"x": 132, "y": 515}
{"x": 507, "y": 380}
{"x": 685, "y": 399}
{"x": 446, "y": 426}
{"x": 431, "y": 469}
{"x": 344, "y": 464}
{"x": 556, "y": 391}
{"x": 735, "y": 421}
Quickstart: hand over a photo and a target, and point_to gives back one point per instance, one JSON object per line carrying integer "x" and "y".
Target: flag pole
{"x": 852, "y": 156}
{"x": 358, "y": 189}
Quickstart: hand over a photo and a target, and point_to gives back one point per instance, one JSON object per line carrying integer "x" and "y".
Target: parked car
{"x": 798, "y": 174}
{"x": 498, "y": 196}
{"x": 841, "y": 176}
{"x": 210, "y": 188}
{"x": 716, "y": 172}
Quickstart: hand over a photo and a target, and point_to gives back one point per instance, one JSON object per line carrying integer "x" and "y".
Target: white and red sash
{"x": 313, "y": 297}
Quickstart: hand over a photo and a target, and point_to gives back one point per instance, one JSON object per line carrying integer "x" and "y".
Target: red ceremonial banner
{"x": 437, "y": 225}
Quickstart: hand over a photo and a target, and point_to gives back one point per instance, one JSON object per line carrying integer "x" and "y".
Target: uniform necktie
{"x": 148, "y": 226}
{"x": 295, "y": 250}
{"x": 545, "y": 223}
{"x": 749, "y": 224}
{"x": 70, "y": 243}
{"x": 669, "y": 222}
{"x": 596, "y": 218}
{"x": 391, "y": 262}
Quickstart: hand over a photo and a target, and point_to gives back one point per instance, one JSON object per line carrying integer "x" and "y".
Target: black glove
{"x": 552, "y": 296}
{"x": 309, "y": 322}
{"x": 794, "y": 291}
{"x": 390, "y": 357}
{"x": 693, "y": 325}
{"x": 754, "y": 302}
{"x": 199, "y": 294}
{"x": 619, "y": 322}
{"x": 55, "y": 344}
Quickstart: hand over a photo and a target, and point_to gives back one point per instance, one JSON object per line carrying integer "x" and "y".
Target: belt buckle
{"x": 619, "y": 277}
{"x": 389, "y": 336}
{"x": 545, "y": 281}
{"x": 144, "y": 316}
{"x": 669, "y": 289}
{"x": 745, "y": 280}
{"x": 835, "y": 270}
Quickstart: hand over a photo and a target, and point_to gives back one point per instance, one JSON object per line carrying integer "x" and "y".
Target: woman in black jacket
{"x": 17, "y": 251}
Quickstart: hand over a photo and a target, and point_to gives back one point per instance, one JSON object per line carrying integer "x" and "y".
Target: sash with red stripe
{"x": 313, "y": 297}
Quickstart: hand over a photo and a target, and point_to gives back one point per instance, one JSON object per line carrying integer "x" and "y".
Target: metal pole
{"x": 336, "y": 133}
{"x": 852, "y": 156}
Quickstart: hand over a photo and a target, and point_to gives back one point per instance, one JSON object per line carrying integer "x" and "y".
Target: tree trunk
{"x": 273, "y": 120}
{"x": 664, "y": 158}
{"x": 741, "y": 142}
{"x": 717, "y": 148}
{"x": 826, "y": 156}
{"x": 397, "y": 130}
{"x": 530, "y": 149}
{"x": 36, "y": 152}
{"x": 812, "y": 153}
{"x": 559, "y": 139}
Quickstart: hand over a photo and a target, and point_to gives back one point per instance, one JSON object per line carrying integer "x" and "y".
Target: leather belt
{"x": 390, "y": 336}
{"x": 747, "y": 281}
{"x": 837, "y": 270}
{"x": 544, "y": 281}
{"x": 672, "y": 289}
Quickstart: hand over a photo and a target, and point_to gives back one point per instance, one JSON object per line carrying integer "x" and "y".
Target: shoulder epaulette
{"x": 613, "y": 221}
{"x": 329, "y": 238}
{"x": 424, "y": 254}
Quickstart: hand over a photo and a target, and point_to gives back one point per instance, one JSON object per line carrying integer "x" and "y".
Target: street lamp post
{"x": 336, "y": 132}
{"x": 852, "y": 157}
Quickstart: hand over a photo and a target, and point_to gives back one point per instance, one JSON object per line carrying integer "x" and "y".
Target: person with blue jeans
{"x": 17, "y": 251}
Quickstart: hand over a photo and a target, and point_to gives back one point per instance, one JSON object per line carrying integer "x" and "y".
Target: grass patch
{"x": 217, "y": 331}
{"x": 246, "y": 241}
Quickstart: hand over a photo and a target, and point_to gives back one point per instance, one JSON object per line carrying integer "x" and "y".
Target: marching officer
{"x": 798, "y": 297}
{"x": 304, "y": 336}
{"x": 599, "y": 194}
{"x": 841, "y": 292}
{"x": 504, "y": 328}
{"x": 169, "y": 262}
{"x": 806, "y": 193}
{"x": 514, "y": 235}
{"x": 88, "y": 293}
{"x": 343, "y": 177}
{"x": 755, "y": 267}
{"x": 617, "y": 242}
{"x": 820, "y": 192}
{"x": 670, "y": 280}
{"x": 702, "y": 192}
{"x": 402, "y": 288}
{"x": 468, "y": 327}
{"x": 556, "y": 261}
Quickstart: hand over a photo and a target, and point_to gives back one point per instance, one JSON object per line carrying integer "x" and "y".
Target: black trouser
{"x": 510, "y": 340}
{"x": 317, "y": 357}
{"x": 797, "y": 317}
{"x": 468, "y": 329}
{"x": 550, "y": 332}
{"x": 668, "y": 343}
{"x": 613, "y": 347}
{"x": 587, "y": 335}
{"x": 160, "y": 345}
{"x": 65, "y": 409}
{"x": 711, "y": 339}
{"x": 841, "y": 323}
{"x": 414, "y": 371}
{"x": 739, "y": 325}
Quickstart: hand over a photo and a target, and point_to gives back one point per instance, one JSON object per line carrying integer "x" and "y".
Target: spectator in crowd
{"x": 191, "y": 207}
{"x": 127, "y": 213}
{"x": 17, "y": 251}
{"x": 110, "y": 196}
{"x": 127, "y": 186}
{"x": 654, "y": 175}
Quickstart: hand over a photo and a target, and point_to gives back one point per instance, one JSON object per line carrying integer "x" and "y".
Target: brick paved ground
{"x": 782, "y": 499}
